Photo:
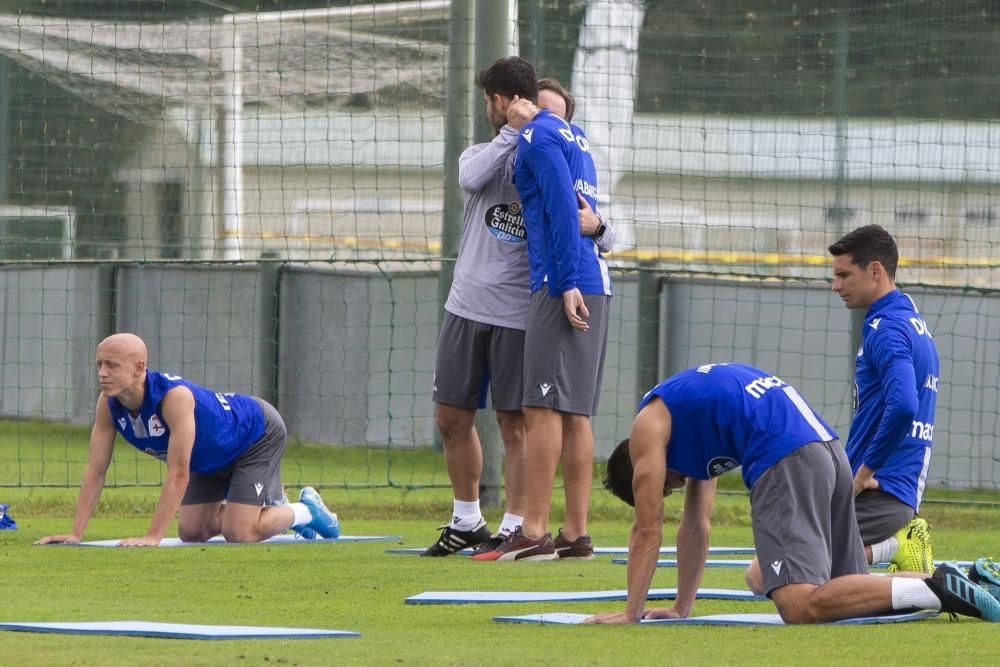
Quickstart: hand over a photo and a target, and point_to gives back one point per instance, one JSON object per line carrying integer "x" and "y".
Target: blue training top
{"x": 727, "y": 415}
{"x": 896, "y": 386}
{"x": 225, "y": 424}
{"x": 553, "y": 164}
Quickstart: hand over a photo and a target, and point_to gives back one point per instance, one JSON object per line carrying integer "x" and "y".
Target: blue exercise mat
{"x": 277, "y": 539}
{"x": 489, "y": 597}
{"x": 716, "y": 619}
{"x": 177, "y": 630}
{"x": 722, "y": 562}
{"x": 711, "y": 562}
{"x": 666, "y": 551}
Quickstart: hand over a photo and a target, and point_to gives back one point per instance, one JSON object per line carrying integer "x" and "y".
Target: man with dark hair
{"x": 896, "y": 385}
{"x": 704, "y": 421}
{"x": 566, "y": 334}
{"x": 481, "y": 343}
{"x": 504, "y": 80}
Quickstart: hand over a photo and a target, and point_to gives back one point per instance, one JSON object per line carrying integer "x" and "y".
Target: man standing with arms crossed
{"x": 896, "y": 387}
{"x": 566, "y": 335}
{"x": 482, "y": 335}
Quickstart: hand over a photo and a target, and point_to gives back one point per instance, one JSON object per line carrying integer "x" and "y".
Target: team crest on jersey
{"x": 505, "y": 222}
{"x": 720, "y": 465}
{"x": 156, "y": 427}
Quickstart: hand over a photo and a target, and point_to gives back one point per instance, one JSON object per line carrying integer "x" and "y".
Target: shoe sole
{"x": 590, "y": 557}
{"x": 986, "y": 578}
{"x": 539, "y": 557}
{"x": 985, "y": 574}
{"x": 518, "y": 555}
{"x": 486, "y": 557}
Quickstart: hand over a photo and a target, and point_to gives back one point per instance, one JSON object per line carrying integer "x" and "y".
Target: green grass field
{"x": 358, "y": 587}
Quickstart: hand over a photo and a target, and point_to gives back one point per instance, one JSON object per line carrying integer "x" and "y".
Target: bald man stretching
{"x": 218, "y": 447}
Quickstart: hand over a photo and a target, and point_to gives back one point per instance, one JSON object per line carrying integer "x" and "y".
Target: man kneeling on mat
{"x": 705, "y": 421}
{"x": 223, "y": 455}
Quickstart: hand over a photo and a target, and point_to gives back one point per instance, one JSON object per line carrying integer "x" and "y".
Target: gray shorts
{"x": 563, "y": 367}
{"x": 880, "y": 515}
{"x": 802, "y": 511}
{"x": 258, "y": 465}
{"x": 472, "y": 357}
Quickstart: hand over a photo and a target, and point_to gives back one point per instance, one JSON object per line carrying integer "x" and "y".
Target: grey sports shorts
{"x": 252, "y": 479}
{"x": 472, "y": 357}
{"x": 880, "y": 515}
{"x": 563, "y": 367}
{"x": 802, "y": 511}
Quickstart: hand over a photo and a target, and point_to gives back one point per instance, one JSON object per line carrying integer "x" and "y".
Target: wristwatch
{"x": 601, "y": 228}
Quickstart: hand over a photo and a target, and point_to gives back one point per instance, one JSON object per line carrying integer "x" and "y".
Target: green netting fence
{"x": 266, "y": 192}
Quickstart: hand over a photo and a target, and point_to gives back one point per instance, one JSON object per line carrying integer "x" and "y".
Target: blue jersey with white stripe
{"x": 896, "y": 386}
{"x": 225, "y": 424}
{"x": 727, "y": 415}
{"x": 553, "y": 164}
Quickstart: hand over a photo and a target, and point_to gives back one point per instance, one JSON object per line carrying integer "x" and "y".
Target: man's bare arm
{"x": 178, "y": 413}
{"x": 102, "y": 442}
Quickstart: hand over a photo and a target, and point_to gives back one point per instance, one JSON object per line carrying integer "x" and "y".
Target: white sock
{"x": 302, "y": 514}
{"x": 509, "y": 523}
{"x": 466, "y": 515}
{"x": 884, "y": 551}
{"x": 910, "y": 593}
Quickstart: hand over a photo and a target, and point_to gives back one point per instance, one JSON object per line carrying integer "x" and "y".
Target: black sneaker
{"x": 959, "y": 595}
{"x": 489, "y": 545}
{"x": 582, "y": 548}
{"x": 451, "y": 540}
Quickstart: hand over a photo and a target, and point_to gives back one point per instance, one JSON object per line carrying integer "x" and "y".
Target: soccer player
{"x": 482, "y": 334}
{"x": 566, "y": 334}
{"x": 896, "y": 386}
{"x": 223, "y": 455}
{"x": 700, "y": 423}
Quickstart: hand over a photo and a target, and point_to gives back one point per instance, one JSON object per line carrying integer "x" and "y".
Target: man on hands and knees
{"x": 896, "y": 386}
{"x": 704, "y": 421}
{"x": 223, "y": 454}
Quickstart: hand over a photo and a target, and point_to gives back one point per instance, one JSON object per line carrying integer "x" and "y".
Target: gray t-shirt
{"x": 491, "y": 273}
{"x": 490, "y": 283}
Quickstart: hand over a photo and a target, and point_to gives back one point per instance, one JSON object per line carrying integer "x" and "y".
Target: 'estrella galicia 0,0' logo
{"x": 720, "y": 465}
{"x": 505, "y": 222}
